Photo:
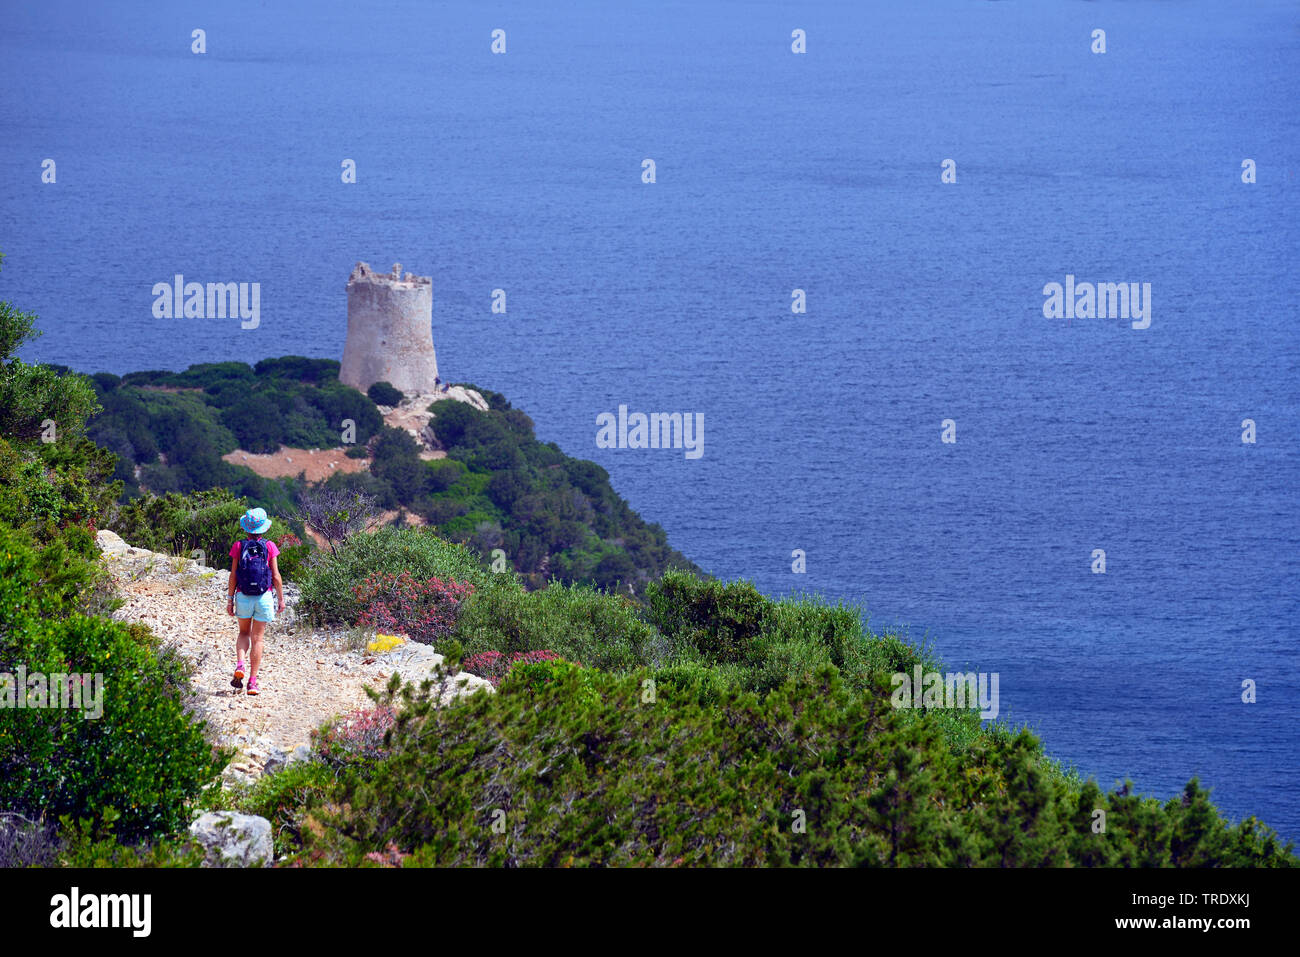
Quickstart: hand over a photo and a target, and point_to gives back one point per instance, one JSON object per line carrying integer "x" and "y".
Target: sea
{"x": 927, "y": 437}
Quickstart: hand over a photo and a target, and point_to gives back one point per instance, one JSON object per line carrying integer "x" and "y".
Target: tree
{"x": 33, "y": 396}
{"x": 613, "y": 570}
{"x": 336, "y": 512}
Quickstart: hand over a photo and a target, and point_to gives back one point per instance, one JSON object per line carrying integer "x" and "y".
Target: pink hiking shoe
{"x": 238, "y": 680}
{"x": 252, "y": 686}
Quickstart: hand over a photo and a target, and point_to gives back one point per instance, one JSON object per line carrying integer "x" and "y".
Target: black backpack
{"x": 253, "y": 574}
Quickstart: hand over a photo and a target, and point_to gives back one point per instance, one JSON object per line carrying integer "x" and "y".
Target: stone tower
{"x": 390, "y": 331}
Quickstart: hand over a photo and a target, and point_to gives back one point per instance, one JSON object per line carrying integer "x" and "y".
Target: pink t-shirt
{"x": 271, "y": 549}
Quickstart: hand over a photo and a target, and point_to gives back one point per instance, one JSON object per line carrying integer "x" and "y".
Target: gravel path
{"x": 306, "y": 676}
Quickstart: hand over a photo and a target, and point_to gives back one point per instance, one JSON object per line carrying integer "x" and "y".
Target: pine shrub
{"x": 568, "y": 766}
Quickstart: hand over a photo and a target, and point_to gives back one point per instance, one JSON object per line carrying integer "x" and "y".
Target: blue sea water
{"x": 775, "y": 171}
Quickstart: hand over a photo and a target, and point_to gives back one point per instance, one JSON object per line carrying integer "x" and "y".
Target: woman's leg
{"x": 241, "y": 646}
{"x": 255, "y": 636}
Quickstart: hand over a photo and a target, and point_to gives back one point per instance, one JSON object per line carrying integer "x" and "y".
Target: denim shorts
{"x": 257, "y": 607}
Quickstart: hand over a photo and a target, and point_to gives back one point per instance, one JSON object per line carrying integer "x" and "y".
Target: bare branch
{"x": 337, "y": 513}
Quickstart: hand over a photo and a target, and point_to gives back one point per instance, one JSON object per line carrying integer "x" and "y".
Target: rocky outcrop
{"x": 458, "y": 393}
{"x": 111, "y": 545}
{"x": 233, "y": 840}
{"x": 416, "y": 662}
{"x": 414, "y": 415}
{"x": 277, "y": 760}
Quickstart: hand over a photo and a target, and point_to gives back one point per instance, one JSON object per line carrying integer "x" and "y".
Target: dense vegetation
{"x": 203, "y": 526}
{"x": 136, "y": 767}
{"x": 566, "y": 766}
{"x": 550, "y": 515}
{"x": 500, "y": 488}
{"x": 169, "y": 430}
{"x": 711, "y": 725}
{"x": 706, "y": 724}
{"x": 144, "y": 756}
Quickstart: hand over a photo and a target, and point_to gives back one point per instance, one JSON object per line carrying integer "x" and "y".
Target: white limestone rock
{"x": 233, "y": 840}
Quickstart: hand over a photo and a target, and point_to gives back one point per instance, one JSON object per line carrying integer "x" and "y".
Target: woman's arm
{"x": 277, "y": 584}
{"x": 231, "y": 587}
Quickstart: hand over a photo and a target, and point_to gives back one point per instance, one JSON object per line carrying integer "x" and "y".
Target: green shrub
{"x": 141, "y": 758}
{"x": 773, "y": 658}
{"x": 32, "y": 395}
{"x": 299, "y": 369}
{"x": 383, "y": 393}
{"x": 294, "y": 553}
{"x": 47, "y": 487}
{"x": 397, "y": 462}
{"x": 811, "y": 620}
{"x": 578, "y": 623}
{"x": 539, "y": 677}
{"x": 615, "y": 571}
{"x": 182, "y": 424}
{"x": 62, "y": 574}
{"x": 332, "y": 403}
{"x": 255, "y": 421}
{"x": 105, "y": 382}
{"x": 210, "y": 375}
{"x": 90, "y": 843}
{"x": 721, "y": 621}
{"x": 583, "y": 770}
{"x": 327, "y": 589}
{"x": 689, "y": 679}
{"x": 890, "y": 654}
{"x": 286, "y": 798}
{"x": 444, "y": 474}
{"x": 204, "y": 521}
{"x": 458, "y": 423}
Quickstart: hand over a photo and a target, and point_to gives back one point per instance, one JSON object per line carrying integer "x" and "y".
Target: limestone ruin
{"x": 390, "y": 331}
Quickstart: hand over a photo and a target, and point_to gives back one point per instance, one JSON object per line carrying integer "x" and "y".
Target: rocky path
{"x": 307, "y": 676}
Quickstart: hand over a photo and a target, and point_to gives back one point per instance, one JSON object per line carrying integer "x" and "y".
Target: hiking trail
{"x": 308, "y": 675}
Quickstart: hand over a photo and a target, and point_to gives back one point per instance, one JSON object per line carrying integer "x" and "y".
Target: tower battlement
{"x": 390, "y": 331}
{"x": 362, "y": 272}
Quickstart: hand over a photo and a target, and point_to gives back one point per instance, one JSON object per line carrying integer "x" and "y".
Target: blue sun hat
{"x": 255, "y": 521}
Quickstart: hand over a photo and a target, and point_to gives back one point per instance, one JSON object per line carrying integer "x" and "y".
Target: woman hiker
{"x": 254, "y": 572}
